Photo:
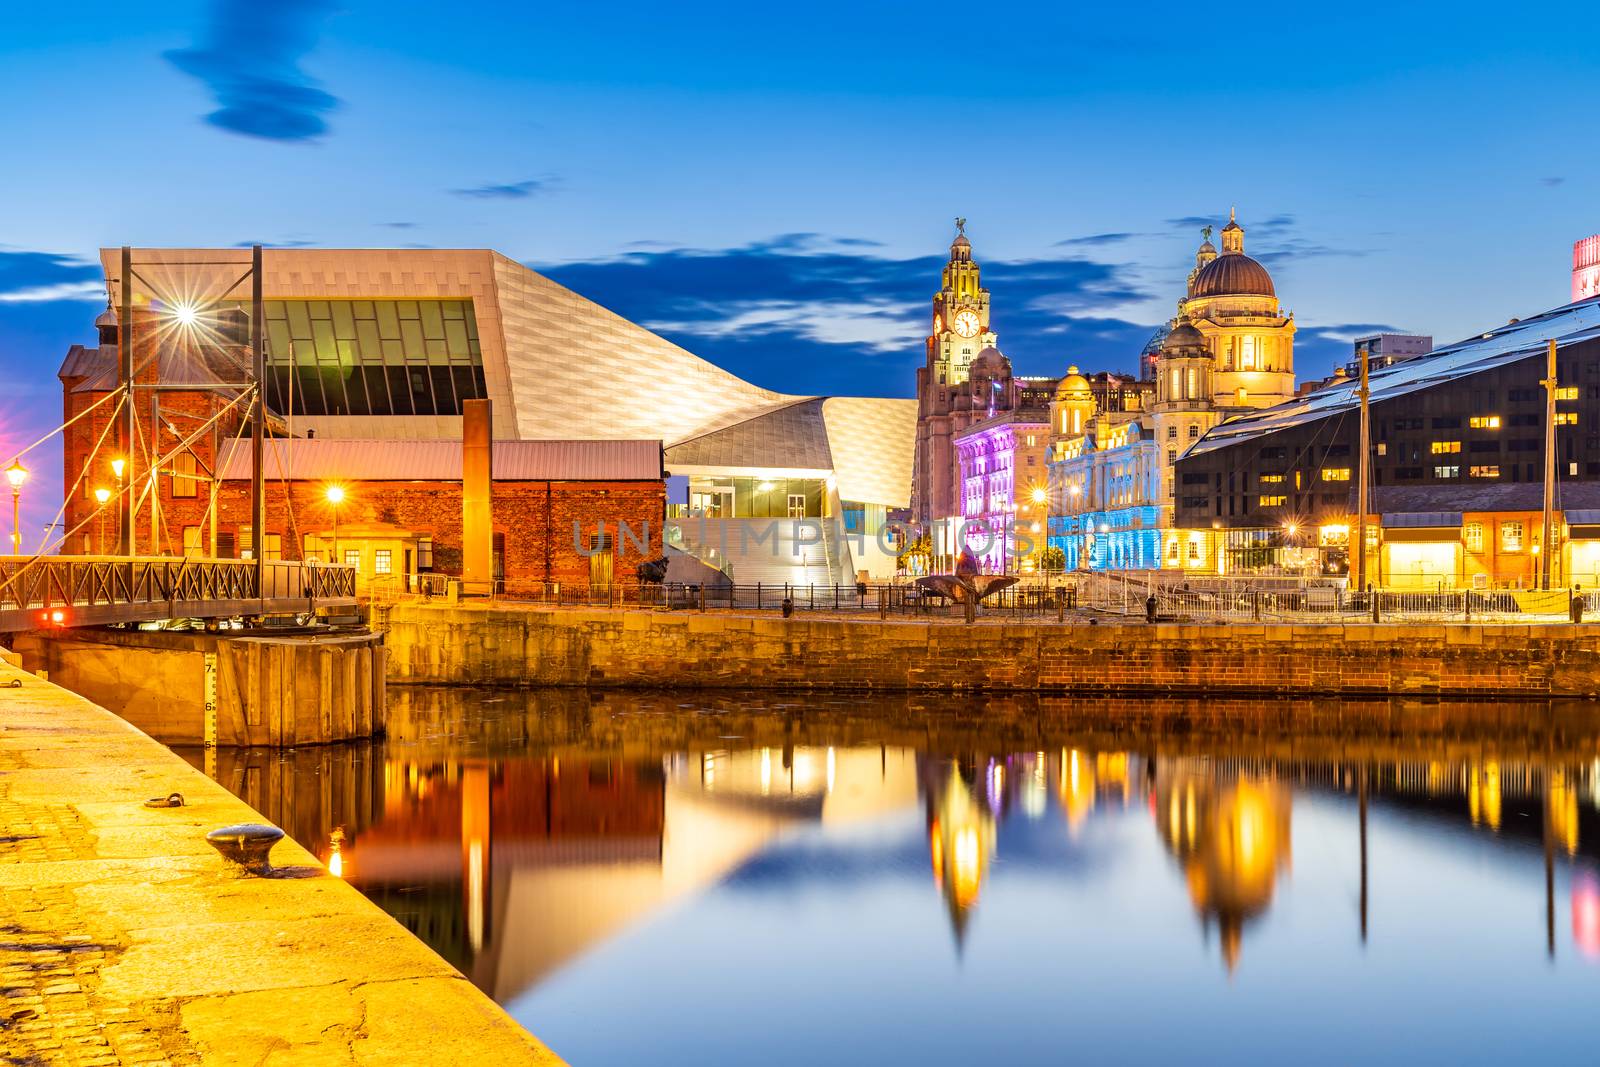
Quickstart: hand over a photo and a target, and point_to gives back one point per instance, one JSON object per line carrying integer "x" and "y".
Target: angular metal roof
{"x": 1568, "y": 325}
{"x": 342, "y": 459}
{"x": 791, "y": 435}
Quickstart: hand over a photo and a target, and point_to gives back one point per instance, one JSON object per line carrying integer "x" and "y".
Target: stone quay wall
{"x": 272, "y": 690}
{"x": 129, "y": 940}
{"x": 484, "y": 644}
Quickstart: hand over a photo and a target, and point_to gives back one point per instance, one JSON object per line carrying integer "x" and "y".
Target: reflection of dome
{"x": 1184, "y": 339}
{"x": 1233, "y": 274}
{"x": 990, "y": 364}
{"x": 1072, "y": 387}
{"x": 1232, "y": 838}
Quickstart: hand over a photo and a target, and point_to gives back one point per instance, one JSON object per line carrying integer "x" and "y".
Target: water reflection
{"x": 536, "y": 838}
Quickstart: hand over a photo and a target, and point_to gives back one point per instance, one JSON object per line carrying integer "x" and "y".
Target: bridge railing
{"x": 116, "y": 588}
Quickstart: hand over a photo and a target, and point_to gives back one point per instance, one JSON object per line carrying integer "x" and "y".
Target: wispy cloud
{"x": 275, "y": 244}
{"x": 814, "y": 313}
{"x": 40, "y": 277}
{"x": 1096, "y": 240}
{"x": 509, "y": 190}
{"x": 398, "y": 225}
{"x": 249, "y": 58}
{"x": 1551, "y": 183}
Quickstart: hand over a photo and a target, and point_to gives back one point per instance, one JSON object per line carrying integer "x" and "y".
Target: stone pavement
{"x": 123, "y": 940}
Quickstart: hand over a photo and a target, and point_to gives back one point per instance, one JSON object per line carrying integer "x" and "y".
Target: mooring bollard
{"x": 246, "y": 845}
{"x": 788, "y": 607}
{"x": 1372, "y": 594}
{"x": 1150, "y": 608}
{"x": 1577, "y": 604}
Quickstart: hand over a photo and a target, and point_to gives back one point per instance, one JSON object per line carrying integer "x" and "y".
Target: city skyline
{"x": 800, "y": 252}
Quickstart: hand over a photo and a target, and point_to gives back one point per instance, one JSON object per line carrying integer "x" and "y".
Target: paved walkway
{"x": 123, "y": 940}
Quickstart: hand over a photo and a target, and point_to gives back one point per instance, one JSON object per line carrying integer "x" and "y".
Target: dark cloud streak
{"x": 250, "y": 60}
{"x": 507, "y": 191}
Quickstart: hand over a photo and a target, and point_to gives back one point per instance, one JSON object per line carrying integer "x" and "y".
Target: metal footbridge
{"x": 43, "y": 592}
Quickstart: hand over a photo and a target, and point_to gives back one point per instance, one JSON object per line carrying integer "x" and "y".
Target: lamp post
{"x": 101, "y": 495}
{"x": 16, "y": 474}
{"x": 335, "y": 495}
{"x": 117, "y": 464}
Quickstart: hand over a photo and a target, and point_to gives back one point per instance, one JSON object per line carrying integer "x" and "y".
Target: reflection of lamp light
{"x": 765, "y": 487}
{"x": 336, "y": 853}
{"x": 1586, "y": 913}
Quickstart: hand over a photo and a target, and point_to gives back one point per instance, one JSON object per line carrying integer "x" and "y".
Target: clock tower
{"x": 960, "y": 315}
{"x": 948, "y": 400}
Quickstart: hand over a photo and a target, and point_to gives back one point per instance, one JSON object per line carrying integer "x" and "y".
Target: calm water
{"x": 736, "y": 879}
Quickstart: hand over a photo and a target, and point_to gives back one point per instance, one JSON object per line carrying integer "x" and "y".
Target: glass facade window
{"x": 372, "y": 357}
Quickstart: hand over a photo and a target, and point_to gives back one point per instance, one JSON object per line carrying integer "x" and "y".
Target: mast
{"x": 1547, "y": 523}
{"x": 130, "y": 513}
{"x": 1360, "y": 546}
{"x": 258, "y": 496}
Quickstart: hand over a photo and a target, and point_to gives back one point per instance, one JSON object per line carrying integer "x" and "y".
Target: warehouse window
{"x": 1511, "y": 537}
{"x": 1472, "y": 534}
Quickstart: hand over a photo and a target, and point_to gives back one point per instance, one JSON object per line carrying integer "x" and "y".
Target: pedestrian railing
{"x": 97, "y": 590}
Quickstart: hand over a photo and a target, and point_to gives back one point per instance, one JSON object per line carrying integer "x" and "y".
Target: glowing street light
{"x": 16, "y": 474}
{"x": 185, "y": 314}
{"x": 101, "y": 495}
{"x": 1038, "y": 494}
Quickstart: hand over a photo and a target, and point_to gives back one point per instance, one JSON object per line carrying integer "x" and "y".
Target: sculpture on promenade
{"x": 966, "y": 586}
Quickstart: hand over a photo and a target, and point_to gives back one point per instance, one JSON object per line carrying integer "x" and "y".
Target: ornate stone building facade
{"x": 964, "y": 380}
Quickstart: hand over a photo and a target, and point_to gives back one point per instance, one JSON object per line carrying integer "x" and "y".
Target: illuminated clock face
{"x": 966, "y": 323}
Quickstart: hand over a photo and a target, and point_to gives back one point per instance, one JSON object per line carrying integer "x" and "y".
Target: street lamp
{"x": 16, "y": 474}
{"x": 102, "y": 495}
{"x": 335, "y": 495}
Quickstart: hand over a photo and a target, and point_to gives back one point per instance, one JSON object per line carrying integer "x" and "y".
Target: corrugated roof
{"x": 1482, "y": 496}
{"x": 329, "y": 459}
{"x": 1568, "y": 325}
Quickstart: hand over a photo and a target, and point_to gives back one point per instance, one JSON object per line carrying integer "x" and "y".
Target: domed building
{"x": 1232, "y": 302}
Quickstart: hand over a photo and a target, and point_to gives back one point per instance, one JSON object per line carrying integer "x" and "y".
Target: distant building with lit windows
{"x": 1001, "y": 465}
{"x": 1229, "y": 351}
{"x": 1586, "y": 268}
{"x": 1457, "y": 467}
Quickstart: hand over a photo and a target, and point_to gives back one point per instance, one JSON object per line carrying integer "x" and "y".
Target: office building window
{"x": 1443, "y": 448}
{"x": 1270, "y": 501}
{"x": 1567, "y": 392}
{"x": 1487, "y": 470}
{"x": 1566, "y": 418}
{"x": 1336, "y": 474}
{"x": 183, "y": 475}
{"x": 1447, "y": 472}
{"x": 1485, "y": 422}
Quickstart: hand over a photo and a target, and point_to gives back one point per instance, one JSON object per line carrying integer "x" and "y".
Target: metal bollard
{"x": 246, "y": 845}
{"x": 1377, "y": 612}
{"x": 1150, "y": 608}
{"x": 1577, "y": 605}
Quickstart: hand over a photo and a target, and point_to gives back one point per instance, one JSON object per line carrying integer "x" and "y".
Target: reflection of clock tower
{"x": 947, "y": 401}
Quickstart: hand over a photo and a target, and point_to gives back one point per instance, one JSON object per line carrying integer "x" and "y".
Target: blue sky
{"x": 772, "y": 186}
